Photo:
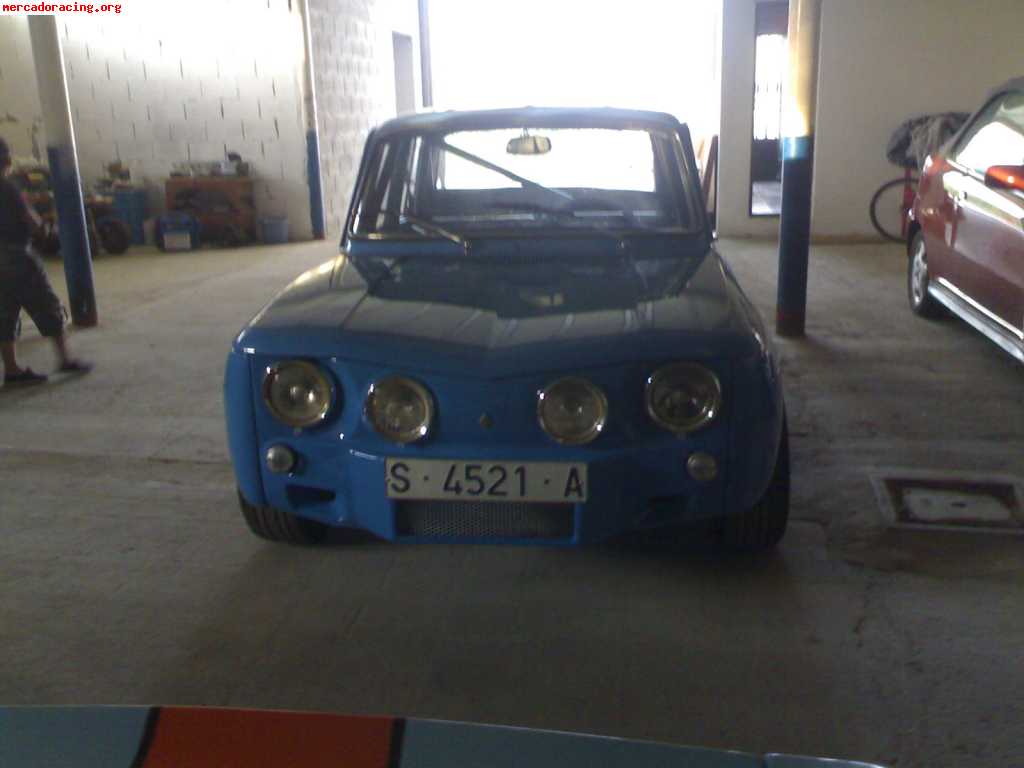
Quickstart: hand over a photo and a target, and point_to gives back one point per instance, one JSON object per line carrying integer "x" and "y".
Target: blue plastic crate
{"x": 130, "y": 206}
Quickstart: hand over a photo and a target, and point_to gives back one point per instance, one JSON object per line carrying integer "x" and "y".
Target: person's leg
{"x": 43, "y": 306}
{"x": 9, "y": 358}
{"x": 13, "y": 373}
{"x": 60, "y": 345}
{"x": 9, "y": 311}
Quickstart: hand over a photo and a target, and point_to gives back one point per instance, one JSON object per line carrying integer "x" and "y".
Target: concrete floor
{"x": 127, "y": 576}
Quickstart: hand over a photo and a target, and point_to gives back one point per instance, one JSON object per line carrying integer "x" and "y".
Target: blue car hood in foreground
{"x": 511, "y": 306}
{"x": 195, "y": 737}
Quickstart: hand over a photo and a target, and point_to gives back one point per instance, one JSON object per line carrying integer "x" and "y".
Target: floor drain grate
{"x": 940, "y": 501}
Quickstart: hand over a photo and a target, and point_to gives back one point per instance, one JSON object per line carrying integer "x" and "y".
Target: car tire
{"x": 114, "y": 236}
{"x": 763, "y": 525}
{"x": 275, "y": 525}
{"x": 921, "y": 302}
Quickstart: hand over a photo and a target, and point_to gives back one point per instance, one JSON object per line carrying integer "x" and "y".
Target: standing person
{"x": 24, "y": 284}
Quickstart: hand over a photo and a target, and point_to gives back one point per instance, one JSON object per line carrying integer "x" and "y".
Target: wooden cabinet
{"x": 224, "y": 205}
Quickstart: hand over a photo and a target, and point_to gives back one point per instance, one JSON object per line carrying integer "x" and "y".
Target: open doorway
{"x": 657, "y": 55}
{"x": 771, "y": 25}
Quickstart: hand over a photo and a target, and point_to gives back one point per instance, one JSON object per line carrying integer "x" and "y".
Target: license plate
{"x": 486, "y": 480}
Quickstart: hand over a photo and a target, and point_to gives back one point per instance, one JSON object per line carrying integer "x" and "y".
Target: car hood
{"x": 510, "y": 308}
{"x": 119, "y": 737}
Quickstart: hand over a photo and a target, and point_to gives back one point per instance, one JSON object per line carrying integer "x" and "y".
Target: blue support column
{"x": 316, "y": 192}
{"x": 794, "y": 234}
{"x": 797, "y": 166}
{"x": 64, "y": 176}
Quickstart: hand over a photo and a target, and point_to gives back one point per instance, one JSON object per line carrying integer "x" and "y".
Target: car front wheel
{"x": 275, "y": 525}
{"x": 921, "y": 302}
{"x": 762, "y": 526}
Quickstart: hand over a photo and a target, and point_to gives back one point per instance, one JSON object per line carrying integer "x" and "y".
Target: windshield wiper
{"x": 566, "y": 213}
{"x": 503, "y": 171}
{"x": 426, "y": 226}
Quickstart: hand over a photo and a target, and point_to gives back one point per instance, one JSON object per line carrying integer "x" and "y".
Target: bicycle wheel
{"x": 888, "y": 211}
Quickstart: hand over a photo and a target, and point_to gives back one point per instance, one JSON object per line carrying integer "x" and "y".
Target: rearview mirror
{"x": 1005, "y": 177}
{"x": 529, "y": 145}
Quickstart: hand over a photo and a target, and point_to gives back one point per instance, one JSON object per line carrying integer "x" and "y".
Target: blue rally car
{"x": 528, "y": 336}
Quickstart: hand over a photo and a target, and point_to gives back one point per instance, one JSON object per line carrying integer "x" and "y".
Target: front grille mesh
{"x": 471, "y": 519}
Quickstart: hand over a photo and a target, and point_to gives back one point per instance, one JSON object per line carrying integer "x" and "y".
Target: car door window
{"x": 996, "y": 137}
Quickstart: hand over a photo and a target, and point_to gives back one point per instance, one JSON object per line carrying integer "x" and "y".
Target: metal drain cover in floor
{"x": 927, "y": 500}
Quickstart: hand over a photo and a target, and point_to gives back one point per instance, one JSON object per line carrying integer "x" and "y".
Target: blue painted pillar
{"x": 63, "y": 159}
{"x": 797, "y": 166}
{"x": 316, "y": 193}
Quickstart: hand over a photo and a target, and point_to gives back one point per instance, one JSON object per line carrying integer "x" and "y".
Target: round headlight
{"x": 400, "y": 409}
{"x": 573, "y": 411}
{"x": 297, "y": 393}
{"x": 683, "y": 397}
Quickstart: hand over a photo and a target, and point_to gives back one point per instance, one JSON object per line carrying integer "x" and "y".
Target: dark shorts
{"x": 24, "y": 285}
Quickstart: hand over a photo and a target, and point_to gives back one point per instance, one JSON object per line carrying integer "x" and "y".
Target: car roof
{"x": 542, "y": 117}
{"x": 1016, "y": 84}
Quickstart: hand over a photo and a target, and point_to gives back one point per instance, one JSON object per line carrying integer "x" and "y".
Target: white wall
{"x": 19, "y": 98}
{"x": 189, "y": 81}
{"x": 354, "y": 67}
{"x": 883, "y": 61}
{"x": 655, "y": 54}
{"x": 164, "y": 83}
{"x": 738, "y": 125}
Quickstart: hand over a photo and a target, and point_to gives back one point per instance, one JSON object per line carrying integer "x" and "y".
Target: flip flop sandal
{"x": 75, "y": 366}
{"x": 27, "y": 376}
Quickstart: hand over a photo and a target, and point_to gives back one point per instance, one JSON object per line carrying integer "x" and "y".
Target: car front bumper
{"x": 634, "y": 484}
{"x": 628, "y": 490}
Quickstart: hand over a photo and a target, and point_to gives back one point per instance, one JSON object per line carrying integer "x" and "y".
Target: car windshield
{"x": 526, "y": 180}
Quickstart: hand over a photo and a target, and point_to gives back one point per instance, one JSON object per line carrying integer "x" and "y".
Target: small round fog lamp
{"x": 280, "y": 459}
{"x": 702, "y": 467}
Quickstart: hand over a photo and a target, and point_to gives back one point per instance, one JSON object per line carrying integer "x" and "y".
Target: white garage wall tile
{"x": 132, "y": 151}
{"x": 130, "y": 111}
{"x": 186, "y": 131}
{"x": 122, "y": 131}
{"x": 222, "y": 130}
{"x": 148, "y": 131}
{"x": 244, "y": 108}
{"x": 162, "y": 112}
{"x": 263, "y": 89}
{"x": 203, "y": 110}
{"x": 262, "y": 130}
{"x": 81, "y": 69}
{"x": 206, "y": 151}
{"x": 171, "y": 151}
{"x": 124, "y": 71}
{"x": 217, "y": 88}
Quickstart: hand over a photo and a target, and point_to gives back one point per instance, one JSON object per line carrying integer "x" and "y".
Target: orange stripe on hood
{"x": 225, "y": 738}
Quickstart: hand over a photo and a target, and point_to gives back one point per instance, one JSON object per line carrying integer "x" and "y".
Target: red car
{"x": 966, "y": 234}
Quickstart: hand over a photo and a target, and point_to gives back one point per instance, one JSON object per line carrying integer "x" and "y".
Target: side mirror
{"x": 1005, "y": 177}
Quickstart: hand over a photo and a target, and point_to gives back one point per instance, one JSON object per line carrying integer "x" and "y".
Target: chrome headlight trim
{"x": 421, "y": 392}
{"x": 314, "y": 371}
{"x": 595, "y": 428}
{"x": 709, "y": 409}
